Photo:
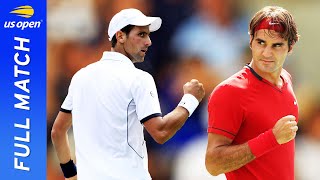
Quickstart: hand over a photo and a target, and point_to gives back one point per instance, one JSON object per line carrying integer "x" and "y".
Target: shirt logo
{"x": 152, "y": 94}
{"x": 23, "y": 11}
{"x": 272, "y": 23}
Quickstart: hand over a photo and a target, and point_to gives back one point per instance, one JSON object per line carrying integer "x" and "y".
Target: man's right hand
{"x": 195, "y": 88}
{"x": 285, "y": 129}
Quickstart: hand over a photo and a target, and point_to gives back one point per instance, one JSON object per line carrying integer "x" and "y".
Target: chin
{"x": 141, "y": 59}
{"x": 138, "y": 60}
{"x": 268, "y": 69}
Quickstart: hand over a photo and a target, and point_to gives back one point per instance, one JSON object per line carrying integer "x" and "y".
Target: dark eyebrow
{"x": 144, "y": 31}
{"x": 279, "y": 43}
{"x": 274, "y": 44}
{"x": 260, "y": 40}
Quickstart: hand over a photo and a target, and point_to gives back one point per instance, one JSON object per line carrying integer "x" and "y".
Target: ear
{"x": 290, "y": 48}
{"x": 121, "y": 37}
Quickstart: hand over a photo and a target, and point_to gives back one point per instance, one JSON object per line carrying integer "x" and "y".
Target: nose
{"x": 148, "y": 41}
{"x": 267, "y": 52}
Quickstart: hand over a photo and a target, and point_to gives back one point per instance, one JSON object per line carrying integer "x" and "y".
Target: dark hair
{"x": 280, "y": 15}
{"x": 126, "y": 30}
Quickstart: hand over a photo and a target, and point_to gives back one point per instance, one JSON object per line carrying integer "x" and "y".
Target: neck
{"x": 121, "y": 49}
{"x": 274, "y": 77}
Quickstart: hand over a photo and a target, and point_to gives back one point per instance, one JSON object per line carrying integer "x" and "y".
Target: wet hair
{"x": 126, "y": 30}
{"x": 279, "y": 15}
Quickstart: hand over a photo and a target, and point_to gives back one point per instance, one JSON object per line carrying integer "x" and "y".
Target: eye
{"x": 277, "y": 45}
{"x": 142, "y": 34}
{"x": 261, "y": 42}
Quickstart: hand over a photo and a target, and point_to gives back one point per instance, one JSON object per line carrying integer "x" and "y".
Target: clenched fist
{"x": 285, "y": 129}
{"x": 195, "y": 88}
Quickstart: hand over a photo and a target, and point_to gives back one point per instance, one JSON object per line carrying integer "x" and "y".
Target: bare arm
{"x": 222, "y": 157}
{"x": 163, "y": 128}
{"x": 59, "y": 136}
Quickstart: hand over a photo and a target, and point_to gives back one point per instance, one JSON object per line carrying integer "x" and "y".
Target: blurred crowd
{"x": 202, "y": 39}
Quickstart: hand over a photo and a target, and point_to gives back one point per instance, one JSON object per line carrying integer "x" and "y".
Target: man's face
{"x": 137, "y": 43}
{"x": 269, "y": 51}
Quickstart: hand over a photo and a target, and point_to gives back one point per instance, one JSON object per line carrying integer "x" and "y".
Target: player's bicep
{"x": 153, "y": 126}
{"x": 213, "y": 152}
{"x": 63, "y": 122}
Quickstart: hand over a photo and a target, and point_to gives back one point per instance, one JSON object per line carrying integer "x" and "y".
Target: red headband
{"x": 267, "y": 23}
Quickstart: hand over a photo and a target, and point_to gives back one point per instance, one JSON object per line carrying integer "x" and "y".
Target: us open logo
{"x": 25, "y": 12}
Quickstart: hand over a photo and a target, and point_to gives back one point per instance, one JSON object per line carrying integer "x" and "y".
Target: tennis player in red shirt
{"x": 253, "y": 114}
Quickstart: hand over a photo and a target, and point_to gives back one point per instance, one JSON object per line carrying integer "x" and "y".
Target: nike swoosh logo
{"x": 272, "y": 23}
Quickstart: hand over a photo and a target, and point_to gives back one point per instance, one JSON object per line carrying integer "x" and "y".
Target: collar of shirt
{"x": 115, "y": 56}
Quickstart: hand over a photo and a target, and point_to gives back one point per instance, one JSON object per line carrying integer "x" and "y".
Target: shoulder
{"x": 143, "y": 75}
{"x": 235, "y": 83}
{"x": 141, "y": 79}
{"x": 78, "y": 74}
{"x": 233, "y": 87}
{"x": 83, "y": 71}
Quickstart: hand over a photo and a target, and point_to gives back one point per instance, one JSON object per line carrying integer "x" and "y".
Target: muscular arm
{"x": 59, "y": 136}
{"x": 222, "y": 157}
{"x": 163, "y": 128}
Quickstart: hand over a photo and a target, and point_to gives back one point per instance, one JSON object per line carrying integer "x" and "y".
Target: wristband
{"x": 263, "y": 143}
{"x": 189, "y": 102}
{"x": 69, "y": 169}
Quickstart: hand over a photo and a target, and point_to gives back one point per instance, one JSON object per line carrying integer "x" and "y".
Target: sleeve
{"x": 67, "y": 104}
{"x": 225, "y": 111}
{"x": 145, "y": 96}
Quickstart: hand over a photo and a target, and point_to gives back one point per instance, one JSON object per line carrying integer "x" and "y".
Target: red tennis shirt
{"x": 246, "y": 105}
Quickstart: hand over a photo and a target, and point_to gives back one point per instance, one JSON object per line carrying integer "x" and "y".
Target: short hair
{"x": 126, "y": 30}
{"x": 279, "y": 15}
